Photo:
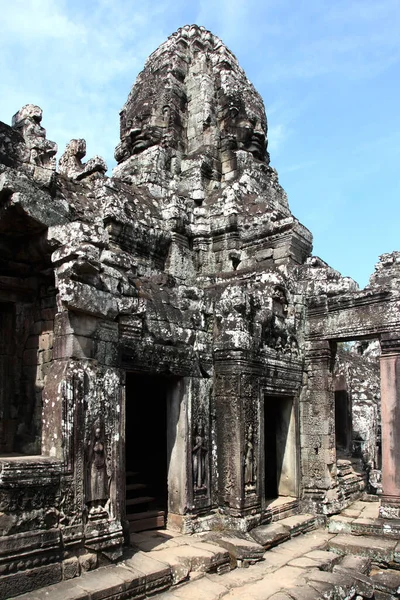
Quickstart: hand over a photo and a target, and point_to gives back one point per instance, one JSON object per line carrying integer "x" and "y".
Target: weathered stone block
{"x": 88, "y": 561}
{"x": 26, "y": 581}
{"x": 270, "y": 535}
{"x": 70, "y": 568}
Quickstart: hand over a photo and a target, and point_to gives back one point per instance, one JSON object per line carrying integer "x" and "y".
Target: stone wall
{"x": 186, "y": 264}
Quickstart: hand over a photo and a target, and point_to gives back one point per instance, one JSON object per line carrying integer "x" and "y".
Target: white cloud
{"x": 277, "y": 135}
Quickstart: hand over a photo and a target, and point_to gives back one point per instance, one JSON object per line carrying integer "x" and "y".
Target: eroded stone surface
{"x": 181, "y": 280}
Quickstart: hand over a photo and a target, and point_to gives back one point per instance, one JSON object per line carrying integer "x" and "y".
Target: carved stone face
{"x": 245, "y": 130}
{"x": 189, "y": 96}
{"x": 142, "y": 129}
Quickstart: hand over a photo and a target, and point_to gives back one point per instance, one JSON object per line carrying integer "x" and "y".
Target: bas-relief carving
{"x": 184, "y": 130}
{"x": 97, "y": 476}
{"x": 249, "y": 460}
{"x": 199, "y": 461}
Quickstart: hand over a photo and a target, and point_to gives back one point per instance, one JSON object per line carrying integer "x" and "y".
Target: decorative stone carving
{"x": 186, "y": 266}
{"x": 249, "y": 460}
{"x": 70, "y": 163}
{"x": 199, "y": 464}
{"x": 97, "y": 477}
{"x": 42, "y": 151}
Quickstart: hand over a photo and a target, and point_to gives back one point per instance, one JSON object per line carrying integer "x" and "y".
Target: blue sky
{"x": 328, "y": 73}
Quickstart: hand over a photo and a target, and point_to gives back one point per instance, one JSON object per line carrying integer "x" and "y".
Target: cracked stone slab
{"x": 242, "y": 549}
{"x": 342, "y": 585}
{"x": 183, "y": 560}
{"x": 325, "y": 559}
{"x": 387, "y": 581}
{"x": 220, "y": 559}
{"x": 304, "y": 592}
{"x": 298, "y": 524}
{"x": 379, "y": 549}
{"x": 158, "y": 575}
{"x": 364, "y": 584}
{"x": 270, "y": 535}
{"x": 360, "y": 564}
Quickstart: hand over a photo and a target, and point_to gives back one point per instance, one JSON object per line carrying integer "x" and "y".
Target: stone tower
{"x": 167, "y": 320}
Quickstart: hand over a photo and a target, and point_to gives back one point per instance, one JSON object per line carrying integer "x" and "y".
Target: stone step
{"x": 281, "y": 507}
{"x": 386, "y": 581}
{"x": 270, "y": 535}
{"x": 242, "y": 548}
{"x": 149, "y": 519}
{"x": 381, "y": 550}
{"x": 199, "y": 558}
{"x": 135, "y": 486}
{"x": 299, "y": 524}
{"x": 139, "y": 500}
{"x": 343, "y": 523}
{"x": 158, "y": 574}
{"x": 187, "y": 568}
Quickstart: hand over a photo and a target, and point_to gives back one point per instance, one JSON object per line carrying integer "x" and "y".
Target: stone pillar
{"x": 317, "y": 430}
{"x": 237, "y": 402}
{"x": 390, "y": 403}
{"x": 189, "y": 440}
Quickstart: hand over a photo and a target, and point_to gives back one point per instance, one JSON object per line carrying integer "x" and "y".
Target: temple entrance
{"x": 280, "y": 455}
{"x": 146, "y": 451}
{"x": 343, "y": 425}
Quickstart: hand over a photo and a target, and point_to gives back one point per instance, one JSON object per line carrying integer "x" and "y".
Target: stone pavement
{"x": 362, "y": 518}
{"x": 283, "y": 564}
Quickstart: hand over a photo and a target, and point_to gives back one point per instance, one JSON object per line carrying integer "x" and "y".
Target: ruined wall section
{"x": 316, "y": 283}
{"x": 357, "y": 374}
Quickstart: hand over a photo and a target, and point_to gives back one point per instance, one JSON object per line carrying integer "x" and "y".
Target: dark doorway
{"x": 342, "y": 421}
{"x": 280, "y": 454}
{"x": 146, "y": 450}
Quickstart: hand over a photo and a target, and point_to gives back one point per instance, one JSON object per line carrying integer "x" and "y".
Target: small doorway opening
{"x": 280, "y": 455}
{"x": 343, "y": 426}
{"x": 146, "y": 452}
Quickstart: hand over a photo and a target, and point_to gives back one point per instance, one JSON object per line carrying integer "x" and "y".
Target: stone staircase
{"x": 362, "y": 533}
{"x": 362, "y": 518}
{"x": 141, "y": 510}
{"x": 163, "y": 559}
{"x": 352, "y": 478}
{"x": 290, "y": 560}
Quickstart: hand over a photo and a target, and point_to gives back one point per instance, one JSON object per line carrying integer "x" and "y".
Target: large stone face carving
{"x": 193, "y": 100}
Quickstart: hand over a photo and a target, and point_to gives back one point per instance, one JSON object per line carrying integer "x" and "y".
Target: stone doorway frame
{"x": 291, "y": 453}
{"x": 357, "y": 316}
{"x": 177, "y": 449}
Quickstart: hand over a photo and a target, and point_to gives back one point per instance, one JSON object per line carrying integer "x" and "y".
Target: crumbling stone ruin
{"x": 168, "y": 340}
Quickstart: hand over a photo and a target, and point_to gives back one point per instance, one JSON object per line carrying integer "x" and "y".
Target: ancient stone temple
{"x": 168, "y": 342}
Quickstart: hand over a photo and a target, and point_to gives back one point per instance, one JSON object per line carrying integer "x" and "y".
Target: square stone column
{"x": 317, "y": 430}
{"x": 390, "y": 408}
